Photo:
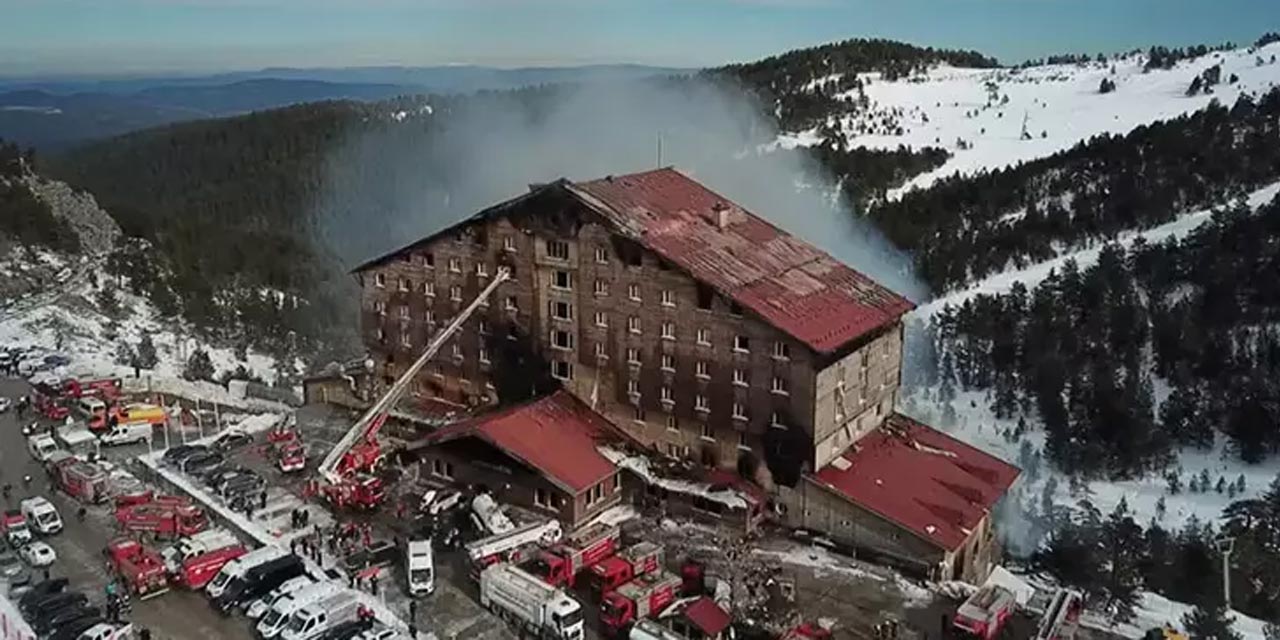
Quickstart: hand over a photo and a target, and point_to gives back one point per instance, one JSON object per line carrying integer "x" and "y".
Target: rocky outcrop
{"x": 98, "y": 231}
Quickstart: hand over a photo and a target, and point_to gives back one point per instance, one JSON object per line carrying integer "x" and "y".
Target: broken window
{"x": 561, "y": 339}
{"x": 442, "y": 469}
{"x": 557, "y": 250}
{"x": 735, "y": 309}
{"x": 562, "y": 280}
{"x": 429, "y": 260}
{"x": 380, "y": 280}
{"x": 705, "y": 296}
{"x": 542, "y": 498}
{"x": 561, "y": 370}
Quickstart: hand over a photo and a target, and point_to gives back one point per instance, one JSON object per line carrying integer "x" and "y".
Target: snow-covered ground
{"x": 1034, "y": 274}
{"x": 1062, "y": 102}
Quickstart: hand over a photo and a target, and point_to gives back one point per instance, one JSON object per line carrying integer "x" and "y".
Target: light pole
{"x": 1225, "y": 546}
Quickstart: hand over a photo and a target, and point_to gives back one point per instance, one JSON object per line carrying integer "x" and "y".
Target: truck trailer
{"x": 536, "y": 607}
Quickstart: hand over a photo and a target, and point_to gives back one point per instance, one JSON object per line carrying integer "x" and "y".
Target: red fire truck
{"x": 48, "y": 401}
{"x": 163, "y": 517}
{"x": 289, "y": 455}
{"x": 636, "y": 560}
{"x": 985, "y": 613}
{"x": 197, "y": 571}
{"x": 82, "y": 480}
{"x": 560, "y": 564}
{"x": 644, "y": 597}
{"x": 141, "y": 569}
{"x": 107, "y": 389}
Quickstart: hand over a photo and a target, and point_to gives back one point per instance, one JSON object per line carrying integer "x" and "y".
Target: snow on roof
{"x": 922, "y": 479}
{"x": 556, "y": 435}
{"x": 639, "y": 464}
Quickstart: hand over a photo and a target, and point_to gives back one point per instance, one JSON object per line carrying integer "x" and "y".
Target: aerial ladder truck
{"x": 346, "y": 475}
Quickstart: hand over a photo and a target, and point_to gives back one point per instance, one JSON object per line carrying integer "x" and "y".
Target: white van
{"x": 127, "y": 433}
{"x": 259, "y": 607}
{"x": 41, "y": 515}
{"x": 420, "y": 568}
{"x": 314, "y": 619}
{"x": 91, "y": 407}
{"x": 41, "y": 446}
{"x": 238, "y": 567}
{"x": 275, "y": 619}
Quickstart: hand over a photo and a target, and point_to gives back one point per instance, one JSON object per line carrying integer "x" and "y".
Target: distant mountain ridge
{"x": 54, "y": 114}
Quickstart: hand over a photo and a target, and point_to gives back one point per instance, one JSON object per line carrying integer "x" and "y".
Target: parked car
{"x": 50, "y": 602}
{"x": 31, "y": 599}
{"x": 72, "y": 630}
{"x": 201, "y": 463}
{"x": 346, "y": 630}
{"x": 13, "y": 570}
{"x": 216, "y": 478}
{"x": 46, "y": 624}
{"x": 38, "y": 554}
{"x": 231, "y": 440}
{"x": 380, "y": 633}
{"x": 175, "y": 455}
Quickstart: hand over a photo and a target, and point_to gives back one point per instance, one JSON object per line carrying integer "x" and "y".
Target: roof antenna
{"x": 659, "y": 150}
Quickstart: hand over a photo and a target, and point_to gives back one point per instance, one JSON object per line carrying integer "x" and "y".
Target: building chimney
{"x": 721, "y": 212}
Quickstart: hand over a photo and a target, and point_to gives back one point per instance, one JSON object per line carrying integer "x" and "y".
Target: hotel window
{"x": 668, "y": 331}
{"x": 775, "y": 421}
{"x": 508, "y": 243}
{"x": 482, "y": 270}
{"x": 701, "y": 370}
{"x": 380, "y": 307}
{"x": 455, "y": 265}
{"x": 739, "y": 378}
{"x": 742, "y": 441}
{"x": 668, "y": 362}
{"x": 735, "y": 309}
{"x": 638, "y": 416}
{"x": 633, "y": 292}
{"x": 668, "y": 298}
{"x": 510, "y": 304}
{"x": 558, "y": 250}
{"x": 739, "y": 411}
{"x": 700, "y": 403}
{"x": 601, "y": 354}
{"x": 779, "y": 385}
{"x": 673, "y": 424}
{"x": 602, "y": 255}
{"x": 382, "y": 335}
{"x": 742, "y": 344}
{"x": 633, "y": 387}
{"x": 781, "y": 351}
{"x": 633, "y": 324}
{"x": 404, "y": 312}
{"x": 405, "y": 339}
{"x": 380, "y": 280}
{"x": 562, "y": 280}
{"x": 542, "y": 498}
{"x": 708, "y": 433}
{"x": 704, "y": 337}
{"x": 484, "y": 355}
{"x": 601, "y": 288}
{"x": 561, "y": 370}
{"x": 429, "y": 260}
{"x": 705, "y": 296}
{"x": 602, "y": 319}
{"x": 561, "y": 311}
{"x": 429, "y": 289}
{"x": 402, "y": 284}
{"x": 633, "y": 355}
{"x": 482, "y": 327}
{"x": 455, "y": 293}
{"x": 429, "y": 317}
{"x": 457, "y": 352}
{"x": 666, "y": 395}
{"x": 442, "y": 469}
{"x": 561, "y": 339}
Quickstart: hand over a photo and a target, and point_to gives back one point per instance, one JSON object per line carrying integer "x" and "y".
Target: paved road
{"x": 177, "y": 615}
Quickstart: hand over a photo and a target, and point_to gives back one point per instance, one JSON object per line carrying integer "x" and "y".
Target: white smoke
{"x": 390, "y": 187}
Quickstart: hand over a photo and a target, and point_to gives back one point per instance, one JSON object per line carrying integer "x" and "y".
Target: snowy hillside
{"x": 978, "y": 114}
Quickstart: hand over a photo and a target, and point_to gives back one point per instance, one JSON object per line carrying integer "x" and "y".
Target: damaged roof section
{"x": 921, "y": 479}
{"x": 788, "y": 282}
{"x": 556, "y": 435}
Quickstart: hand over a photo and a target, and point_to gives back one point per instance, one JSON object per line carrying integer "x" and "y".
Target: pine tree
{"x": 1240, "y": 486}
{"x": 146, "y": 352}
{"x": 1160, "y": 508}
{"x": 1204, "y": 480}
{"x": 199, "y": 366}
{"x": 1221, "y": 487}
{"x": 1210, "y": 624}
{"x": 1122, "y": 544}
{"x": 1175, "y": 482}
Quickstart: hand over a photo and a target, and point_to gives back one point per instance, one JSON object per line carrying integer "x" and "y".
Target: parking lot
{"x": 177, "y": 614}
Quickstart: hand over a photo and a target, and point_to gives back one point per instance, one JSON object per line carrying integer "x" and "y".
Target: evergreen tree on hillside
{"x": 1210, "y": 623}
{"x": 146, "y": 353}
{"x": 1122, "y": 554}
{"x": 199, "y": 366}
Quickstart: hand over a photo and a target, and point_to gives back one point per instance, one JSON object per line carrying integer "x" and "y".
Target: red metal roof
{"x": 705, "y": 614}
{"x": 555, "y": 435}
{"x": 791, "y": 284}
{"x": 920, "y": 478}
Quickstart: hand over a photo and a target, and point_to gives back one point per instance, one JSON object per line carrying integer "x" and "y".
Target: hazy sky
{"x": 128, "y": 36}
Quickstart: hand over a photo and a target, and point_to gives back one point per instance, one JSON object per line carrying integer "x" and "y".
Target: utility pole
{"x": 1225, "y": 545}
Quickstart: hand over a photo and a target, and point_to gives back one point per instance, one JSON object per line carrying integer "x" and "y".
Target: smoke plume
{"x": 429, "y": 167}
